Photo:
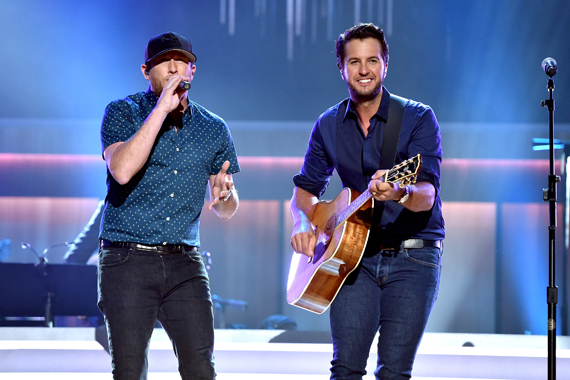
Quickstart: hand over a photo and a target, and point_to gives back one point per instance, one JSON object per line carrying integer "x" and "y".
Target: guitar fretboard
{"x": 405, "y": 172}
{"x": 352, "y": 208}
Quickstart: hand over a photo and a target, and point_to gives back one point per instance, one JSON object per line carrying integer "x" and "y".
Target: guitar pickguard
{"x": 320, "y": 250}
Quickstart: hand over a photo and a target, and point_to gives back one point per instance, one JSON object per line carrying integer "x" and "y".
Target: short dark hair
{"x": 360, "y": 32}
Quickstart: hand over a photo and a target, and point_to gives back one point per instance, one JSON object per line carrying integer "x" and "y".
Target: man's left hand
{"x": 222, "y": 186}
{"x": 384, "y": 191}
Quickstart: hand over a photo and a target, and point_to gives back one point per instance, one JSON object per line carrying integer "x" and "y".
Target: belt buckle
{"x": 161, "y": 249}
{"x": 413, "y": 244}
{"x": 143, "y": 247}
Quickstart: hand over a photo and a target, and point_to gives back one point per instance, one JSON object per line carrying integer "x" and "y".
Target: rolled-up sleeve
{"x": 317, "y": 168}
{"x": 425, "y": 139}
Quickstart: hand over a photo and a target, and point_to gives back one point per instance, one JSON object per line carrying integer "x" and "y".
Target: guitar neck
{"x": 353, "y": 207}
{"x": 404, "y": 172}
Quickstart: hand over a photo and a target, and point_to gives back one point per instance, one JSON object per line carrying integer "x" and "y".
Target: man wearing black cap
{"x": 162, "y": 150}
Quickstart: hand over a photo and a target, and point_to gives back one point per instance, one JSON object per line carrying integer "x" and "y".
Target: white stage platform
{"x": 75, "y": 353}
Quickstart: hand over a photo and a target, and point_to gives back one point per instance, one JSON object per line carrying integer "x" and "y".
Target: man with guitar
{"x": 389, "y": 249}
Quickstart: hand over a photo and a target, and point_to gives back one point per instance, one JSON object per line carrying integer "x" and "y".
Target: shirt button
{"x": 172, "y": 195}
{"x": 168, "y": 218}
{"x": 163, "y": 243}
{"x": 178, "y": 149}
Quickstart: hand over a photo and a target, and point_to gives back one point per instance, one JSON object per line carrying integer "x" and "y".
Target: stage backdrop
{"x": 269, "y": 68}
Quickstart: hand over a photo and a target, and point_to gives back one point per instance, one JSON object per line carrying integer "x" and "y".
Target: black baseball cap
{"x": 166, "y": 42}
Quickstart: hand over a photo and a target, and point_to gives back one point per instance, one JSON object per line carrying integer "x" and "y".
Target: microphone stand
{"x": 549, "y": 195}
{"x": 42, "y": 260}
{"x": 42, "y": 265}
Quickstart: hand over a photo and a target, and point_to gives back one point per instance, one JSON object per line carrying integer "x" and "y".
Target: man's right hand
{"x": 171, "y": 95}
{"x": 304, "y": 238}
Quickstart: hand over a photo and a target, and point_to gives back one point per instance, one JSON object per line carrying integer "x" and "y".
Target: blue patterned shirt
{"x": 338, "y": 143}
{"x": 162, "y": 203}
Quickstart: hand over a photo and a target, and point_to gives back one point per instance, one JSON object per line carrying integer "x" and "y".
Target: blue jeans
{"x": 391, "y": 292}
{"x": 138, "y": 287}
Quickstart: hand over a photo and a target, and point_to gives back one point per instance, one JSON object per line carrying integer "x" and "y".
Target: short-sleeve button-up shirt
{"x": 163, "y": 201}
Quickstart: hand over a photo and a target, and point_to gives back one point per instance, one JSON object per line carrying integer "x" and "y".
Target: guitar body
{"x": 314, "y": 283}
{"x": 342, "y": 227}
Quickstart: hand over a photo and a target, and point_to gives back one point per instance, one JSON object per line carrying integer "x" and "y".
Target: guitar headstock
{"x": 406, "y": 172}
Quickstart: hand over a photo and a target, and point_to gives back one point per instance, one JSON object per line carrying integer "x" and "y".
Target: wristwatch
{"x": 406, "y": 194}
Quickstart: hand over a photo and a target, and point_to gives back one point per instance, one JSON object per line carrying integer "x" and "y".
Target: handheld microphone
{"x": 184, "y": 85}
{"x": 549, "y": 66}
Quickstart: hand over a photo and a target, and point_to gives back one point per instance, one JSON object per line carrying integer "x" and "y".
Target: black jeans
{"x": 136, "y": 288}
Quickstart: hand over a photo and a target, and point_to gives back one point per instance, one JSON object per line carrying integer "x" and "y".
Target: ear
{"x": 145, "y": 71}
{"x": 341, "y": 72}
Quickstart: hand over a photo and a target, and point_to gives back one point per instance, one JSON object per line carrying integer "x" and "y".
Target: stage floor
{"x": 75, "y": 353}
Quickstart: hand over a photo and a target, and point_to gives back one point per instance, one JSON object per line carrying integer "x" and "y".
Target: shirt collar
{"x": 381, "y": 113}
{"x": 150, "y": 96}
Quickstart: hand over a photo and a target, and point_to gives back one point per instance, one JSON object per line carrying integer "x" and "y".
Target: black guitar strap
{"x": 391, "y": 135}
{"x": 390, "y": 140}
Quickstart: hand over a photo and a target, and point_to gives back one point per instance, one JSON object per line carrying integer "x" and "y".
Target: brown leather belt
{"x": 165, "y": 248}
{"x": 411, "y": 244}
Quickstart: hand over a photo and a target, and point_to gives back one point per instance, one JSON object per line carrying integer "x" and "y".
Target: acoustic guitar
{"x": 342, "y": 227}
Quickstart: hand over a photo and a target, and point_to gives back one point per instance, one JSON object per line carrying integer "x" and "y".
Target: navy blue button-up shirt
{"x": 338, "y": 142}
{"x": 163, "y": 201}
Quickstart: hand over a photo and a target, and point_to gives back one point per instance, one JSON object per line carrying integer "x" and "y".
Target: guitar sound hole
{"x": 330, "y": 224}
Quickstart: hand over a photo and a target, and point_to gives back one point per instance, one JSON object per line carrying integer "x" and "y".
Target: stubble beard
{"x": 364, "y": 95}
{"x": 157, "y": 86}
